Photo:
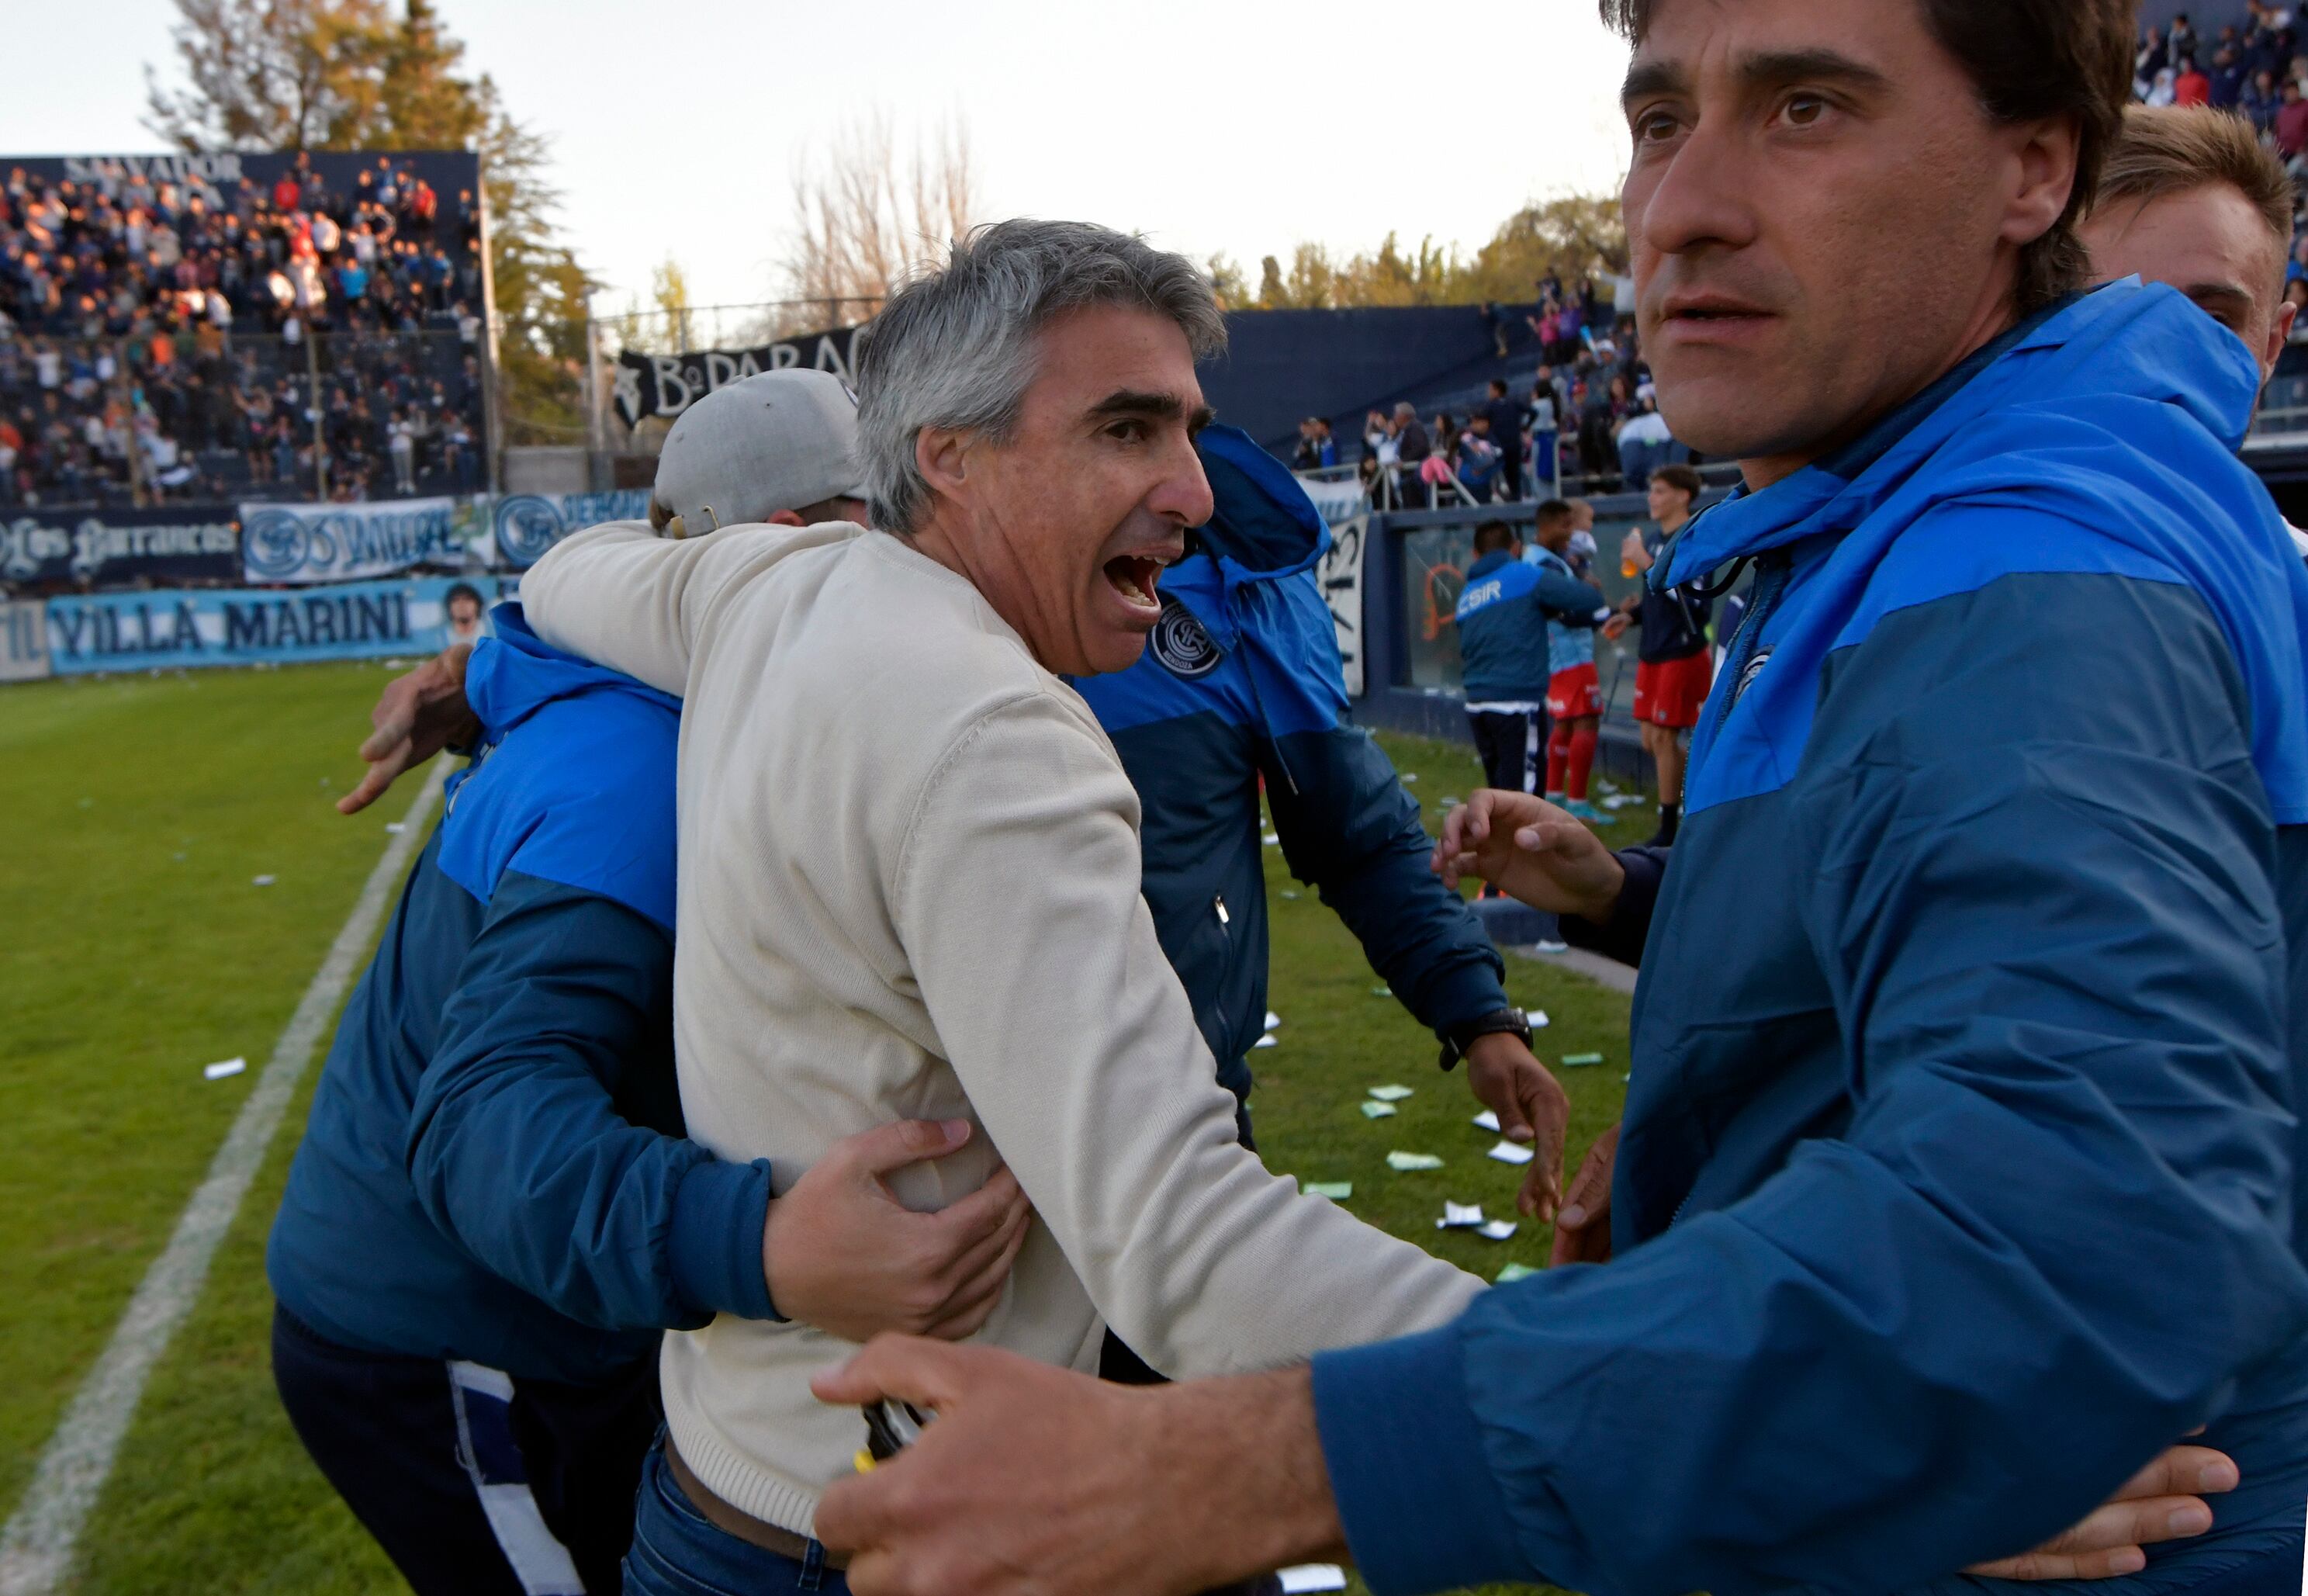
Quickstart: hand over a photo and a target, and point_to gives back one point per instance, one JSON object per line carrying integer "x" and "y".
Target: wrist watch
{"x": 1456, "y": 1039}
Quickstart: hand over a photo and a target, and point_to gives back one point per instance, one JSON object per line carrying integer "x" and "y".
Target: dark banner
{"x": 108, "y": 547}
{"x": 667, "y": 384}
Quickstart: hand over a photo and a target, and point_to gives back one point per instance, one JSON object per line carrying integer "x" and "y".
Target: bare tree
{"x": 865, "y": 217}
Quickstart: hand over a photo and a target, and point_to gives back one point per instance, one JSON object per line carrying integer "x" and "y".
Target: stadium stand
{"x": 297, "y": 326}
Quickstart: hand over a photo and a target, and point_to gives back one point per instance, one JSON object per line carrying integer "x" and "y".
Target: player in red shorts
{"x": 1675, "y": 670}
{"x": 1574, "y": 692}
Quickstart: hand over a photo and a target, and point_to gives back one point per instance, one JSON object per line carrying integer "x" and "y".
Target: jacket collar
{"x": 2149, "y": 342}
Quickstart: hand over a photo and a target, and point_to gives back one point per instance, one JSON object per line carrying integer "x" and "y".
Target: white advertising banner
{"x": 1345, "y": 509}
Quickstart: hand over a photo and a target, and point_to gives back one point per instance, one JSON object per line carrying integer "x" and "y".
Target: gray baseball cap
{"x": 781, "y": 440}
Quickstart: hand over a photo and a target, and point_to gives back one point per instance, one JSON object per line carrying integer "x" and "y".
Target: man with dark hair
{"x": 1959, "y": 1169}
{"x": 1505, "y": 418}
{"x": 1674, "y": 668}
{"x": 1503, "y": 615}
{"x": 468, "y": 616}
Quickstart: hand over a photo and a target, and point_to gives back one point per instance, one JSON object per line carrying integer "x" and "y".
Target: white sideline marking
{"x": 36, "y": 1546}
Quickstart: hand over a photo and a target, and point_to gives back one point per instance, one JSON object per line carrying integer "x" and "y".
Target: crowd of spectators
{"x": 1586, "y": 420}
{"x": 174, "y": 339}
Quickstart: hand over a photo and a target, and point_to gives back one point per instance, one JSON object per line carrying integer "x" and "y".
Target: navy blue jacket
{"x": 1241, "y": 680}
{"x": 1960, "y": 1167}
{"x": 1672, "y": 620}
{"x": 1502, "y": 614}
{"x": 493, "y": 1169}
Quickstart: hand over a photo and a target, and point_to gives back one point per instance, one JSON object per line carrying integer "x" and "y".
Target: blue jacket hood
{"x": 2118, "y": 414}
{"x": 2111, "y": 357}
{"x": 513, "y": 677}
{"x": 1262, "y": 525}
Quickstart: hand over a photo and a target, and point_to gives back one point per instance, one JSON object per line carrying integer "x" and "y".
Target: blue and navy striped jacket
{"x": 494, "y": 1169}
{"x": 1960, "y": 1170}
{"x": 1241, "y": 680}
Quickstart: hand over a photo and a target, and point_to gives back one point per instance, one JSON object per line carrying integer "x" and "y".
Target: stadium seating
{"x": 260, "y": 331}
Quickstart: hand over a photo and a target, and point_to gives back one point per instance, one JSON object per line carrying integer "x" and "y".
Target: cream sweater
{"x": 909, "y": 887}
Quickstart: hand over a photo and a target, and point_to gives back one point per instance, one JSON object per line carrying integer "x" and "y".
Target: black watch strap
{"x": 1456, "y": 1039}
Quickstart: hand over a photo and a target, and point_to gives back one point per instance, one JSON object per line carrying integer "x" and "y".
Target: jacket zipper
{"x": 1772, "y": 573}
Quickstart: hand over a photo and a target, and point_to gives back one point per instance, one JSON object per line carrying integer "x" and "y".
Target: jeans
{"x": 677, "y": 1552}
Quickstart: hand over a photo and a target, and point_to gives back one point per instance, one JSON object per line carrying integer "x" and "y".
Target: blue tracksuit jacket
{"x": 1505, "y": 613}
{"x": 494, "y": 1169}
{"x": 1959, "y": 1171}
{"x": 1568, "y": 645}
{"x": 1240, "y": 680}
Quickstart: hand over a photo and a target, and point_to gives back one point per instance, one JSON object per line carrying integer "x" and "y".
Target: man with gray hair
{"x": 910, "y": 882}
{"x": 494, "y": 1213}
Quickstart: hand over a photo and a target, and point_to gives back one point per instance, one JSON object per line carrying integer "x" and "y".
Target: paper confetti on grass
{"x": 1391, "y": 1094}
{"x": 1313, "y": 1576}
{"x": 1573, "y": 1061}
{"x": 230, "y": 1066}
{"x": 1372, "y": 1110}
{"x": 1507, "y": 1152}
{"x": 1487, "y": 1120}
{"x": 1406, "y": 1163}
{"x": 1338, "y": 1190}
{"x": 1273, "y": 1020}
{"x": 1498, "y": 1230}
{"x": 262, "y": 881}
{"x": 1460, "y": 1216}
{"x": 1268, "y": 1040}
{"x": 1514, "y": 1272}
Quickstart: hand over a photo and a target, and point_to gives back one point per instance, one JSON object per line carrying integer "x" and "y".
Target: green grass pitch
{"x": 139, "y": 811}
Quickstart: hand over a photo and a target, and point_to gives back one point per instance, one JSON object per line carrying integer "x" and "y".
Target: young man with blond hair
{"x": 2192, "y": 198}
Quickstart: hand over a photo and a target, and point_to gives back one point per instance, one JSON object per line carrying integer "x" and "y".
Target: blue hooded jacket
{"x": 493, "y": 1168}
{"x": 1507, "y": 614}
{"x": 1241, "y": 680}
{"x": 1959, "y": 1171}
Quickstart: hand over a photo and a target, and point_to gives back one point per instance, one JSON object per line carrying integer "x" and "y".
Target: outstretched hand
{"x": 418, "y": 715}
{"x": 1582, "y": 1230}
{"x": 1532, "y": 1108}
{"x": 1531, "y": 850}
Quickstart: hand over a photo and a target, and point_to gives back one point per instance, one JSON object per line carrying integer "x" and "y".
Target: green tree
{"x": 1578, "y": 236}
{"x": 267, "y": 74}
{"x": 1228, "y": 283}
{"x": 422, "y": 103}
{"x": 541, "y": 290}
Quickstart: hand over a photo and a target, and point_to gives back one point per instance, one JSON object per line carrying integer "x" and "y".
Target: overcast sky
{"x": 1245, "y": 126}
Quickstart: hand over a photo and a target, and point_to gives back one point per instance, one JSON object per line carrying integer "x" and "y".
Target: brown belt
{"x": 737, "y": 1522}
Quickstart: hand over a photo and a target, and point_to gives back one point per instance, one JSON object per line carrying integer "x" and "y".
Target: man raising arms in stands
{"x": 1958, "y": 1175}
